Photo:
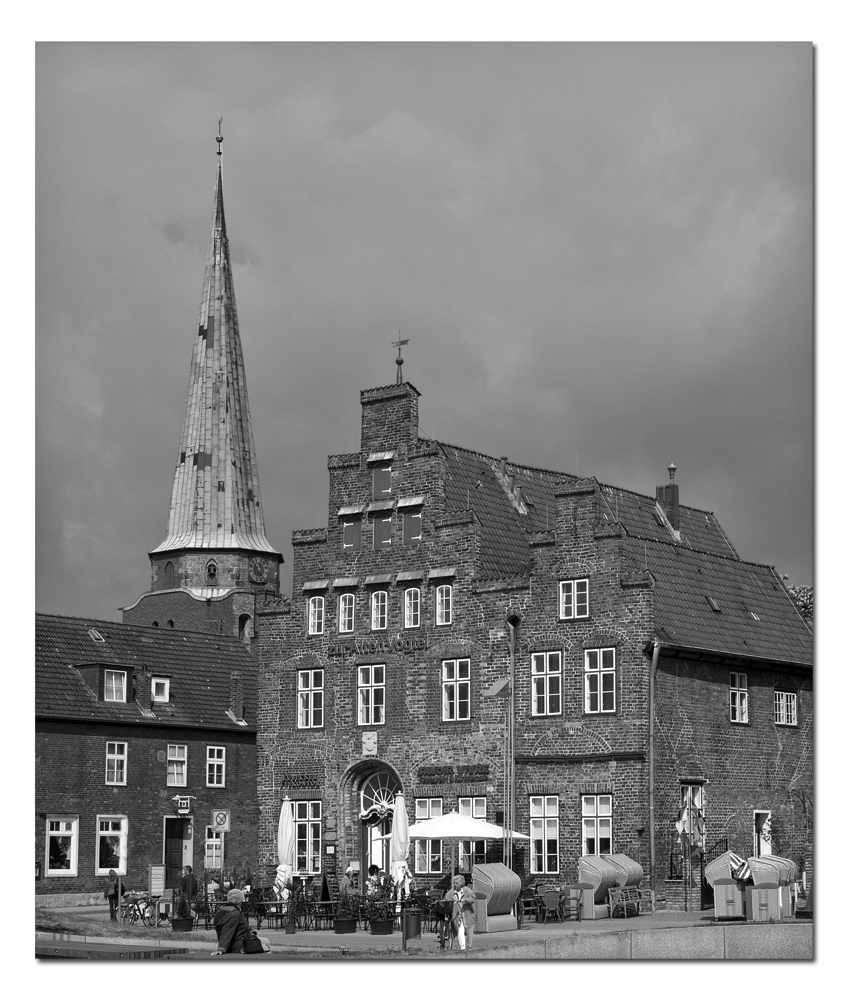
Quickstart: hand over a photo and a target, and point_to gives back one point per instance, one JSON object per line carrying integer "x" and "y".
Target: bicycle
{"x": 138, "y": 906}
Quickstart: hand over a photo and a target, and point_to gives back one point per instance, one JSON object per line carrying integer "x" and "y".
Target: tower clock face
{"x": 258, "y": 570}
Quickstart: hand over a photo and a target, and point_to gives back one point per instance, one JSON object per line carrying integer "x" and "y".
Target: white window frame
{"x": 785, "y": 707}
{"x": 316, "y": 615}
{"x": 307, "y": 836}
{"x": 66, "y": 828}
{"x": 574, "y": 599}
{"x": 379, "y": 610}
{"x": 412, "y": 607}
{"x": 116, "y": 755}
{"x": 544, "y": 828}
{"x": 601, "y": 674}
{"x": 546, "y": 683}
{"x": 165, "y": 696}
{"x": 310, "y": 698}
{"x": 177, "y": 763}
{"x": 111, "y": 679}
{"x": 347, "y": 612}
{"x": 444, "y": 604}
{"x": 456, "y": 690}
{"x": 429, "y": 854}
{"x": 738, "y": 697}
{"x": 596, "y": 824}
{"x": 472, "y": 852}
{"x": 111, "y": 826}
{"x": 371, "y": 694}
{"x": 216, "y": 767}
{"x": 213, "y": 849}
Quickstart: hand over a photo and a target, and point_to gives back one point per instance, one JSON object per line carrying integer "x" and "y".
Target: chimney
{"x": 143, "y": 694}
{"x": 389, "y": 417}
{"x": 668, "y": 496}
{"x": 237, "y": 694}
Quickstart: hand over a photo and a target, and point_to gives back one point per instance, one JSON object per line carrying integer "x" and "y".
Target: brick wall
{"x": 220, "y": 616}
{"x": 70, "y": 779}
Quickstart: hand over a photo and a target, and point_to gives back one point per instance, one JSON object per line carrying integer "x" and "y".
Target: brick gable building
{"x": 641, "y": 661}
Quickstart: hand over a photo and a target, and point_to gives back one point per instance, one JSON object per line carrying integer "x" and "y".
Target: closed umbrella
{"x": 399, "y": 843}
{"x": 454, "y": 828}
{"x": 285, "y": 846}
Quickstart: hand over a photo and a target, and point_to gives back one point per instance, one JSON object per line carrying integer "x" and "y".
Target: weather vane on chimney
{"x": 399, "y": 360}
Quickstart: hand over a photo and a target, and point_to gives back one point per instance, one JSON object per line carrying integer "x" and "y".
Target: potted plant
{"x": 181, "y": 919}
{"x": 381, "y": 906}
{"x": 345, "y": 919}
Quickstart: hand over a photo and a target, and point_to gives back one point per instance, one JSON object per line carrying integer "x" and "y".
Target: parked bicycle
{"x": 138, "y": 906}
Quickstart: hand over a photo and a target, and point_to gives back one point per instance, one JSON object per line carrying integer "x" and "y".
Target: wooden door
{"x": 174, "y": 836}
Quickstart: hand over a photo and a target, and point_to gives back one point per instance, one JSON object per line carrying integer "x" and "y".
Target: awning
{"x": 381, "y": 456}
{"x": 410, "y": 574}
{"x": 381, "y": 505}
{"x": 441, "y": 571}
{"x": 411, "y": 502}
{"x": 351, "y": 508}
{"x": 346, "y": 581}
{"x": 316, "y": 585}
{"x": 379, "y": 578}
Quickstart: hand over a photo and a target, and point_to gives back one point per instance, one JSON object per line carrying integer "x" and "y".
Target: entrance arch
{"x": 369, "y": 794}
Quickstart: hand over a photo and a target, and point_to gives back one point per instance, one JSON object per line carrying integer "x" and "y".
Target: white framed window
{"x": 160, "y": 689}
{"x": 177, "y": 764}
{"x": 379, "y": 610}
{"x": 472, "y": 852}
{"x": 114, "y": 685}
{"x": 738, "y": 697}
{"x": 382, "y": 534}
{"x": 216, "y": 767}
{"x": 213, "y": 849}
{"x": 599, "y": 680}
{"x": 456, "y": 690}
{"x": 574, "y": 599}
{"x": 412, "y": 608}
{"x": 444, "y": 604}
{"x": 597, "y": 824}
{"x": 310, "y": 699}
{"x": 411, "y": 530}
{"x": 111, "y": 845}
{"x": 371, "y": 694}
{"x": 352, "y": 534}
{"x": 307, "y": 835}
{"x": 381, "y": 480}
{"x": 316, "y": 615}
{"x": 62, "y": 846}
{"x": 116, "y": 763}
{"x": 544, "y": 834}
{"x": 546, "y": 682}
{"x": 428, "y": 853}
{"x": 347, "y": 610}
{"x": 785, "y": 708}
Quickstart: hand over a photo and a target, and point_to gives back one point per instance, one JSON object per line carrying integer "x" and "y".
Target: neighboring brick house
{"x": 140, "y": 734}
{"x": 374, "y": 680}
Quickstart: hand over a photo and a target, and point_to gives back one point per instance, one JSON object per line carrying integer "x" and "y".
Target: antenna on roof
{"x": 399, "y": 360}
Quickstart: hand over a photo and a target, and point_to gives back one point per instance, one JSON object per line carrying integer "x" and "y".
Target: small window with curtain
{"x": 574, "y": 599}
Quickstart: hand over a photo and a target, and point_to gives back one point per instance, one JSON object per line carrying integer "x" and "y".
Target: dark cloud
{"x": 600, "y": 253}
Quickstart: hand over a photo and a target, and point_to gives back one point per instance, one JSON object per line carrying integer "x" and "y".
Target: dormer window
{"x": 160, "y": 689}
{"x": 115, "y": 685}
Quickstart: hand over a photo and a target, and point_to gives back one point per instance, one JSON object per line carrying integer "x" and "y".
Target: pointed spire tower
{"x": 216, "y": 532}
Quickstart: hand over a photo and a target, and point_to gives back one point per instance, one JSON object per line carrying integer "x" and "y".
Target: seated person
{"x": 231, "y": 924}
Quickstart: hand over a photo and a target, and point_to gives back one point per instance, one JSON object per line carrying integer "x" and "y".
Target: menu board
{"x": 156, "y": 880}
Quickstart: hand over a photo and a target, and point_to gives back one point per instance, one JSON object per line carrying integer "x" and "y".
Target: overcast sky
{"x": 600, "y": 253}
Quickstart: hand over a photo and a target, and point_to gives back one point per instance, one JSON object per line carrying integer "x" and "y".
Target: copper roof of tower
{"x": 215, "y": 501}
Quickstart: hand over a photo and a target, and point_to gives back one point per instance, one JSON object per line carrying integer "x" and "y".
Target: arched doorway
{"x": 376, "y": 794}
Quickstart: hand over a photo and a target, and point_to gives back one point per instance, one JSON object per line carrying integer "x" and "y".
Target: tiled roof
{"x": 475, "y": 480}
{"x": 684, "y": 617}
{"x": 199, "y": 665}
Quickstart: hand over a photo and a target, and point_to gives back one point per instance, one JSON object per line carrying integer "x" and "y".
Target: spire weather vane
{"x": 219, "y": 138}
{"x": 399, "y": 360}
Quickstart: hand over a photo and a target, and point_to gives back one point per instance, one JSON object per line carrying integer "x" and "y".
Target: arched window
{"x": 243, "y": 622}
{"x": 168, "y": 576}
{"x": 211, "y": 572}
{"x": 379, "y": 610}
{"x": 346, "y": 612}
{"x": 156, "y": 624}
{"x": 316, "y": 615}
{"x": 412, "y": 608}
{"x": 170, "y": 623}
{"x": 377, "y": 794}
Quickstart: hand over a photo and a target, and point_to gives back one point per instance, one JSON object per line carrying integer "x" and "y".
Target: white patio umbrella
{"x": 285, "y": 846}
{"x": 399, "y": 842}
{"x": 454, "y": 828}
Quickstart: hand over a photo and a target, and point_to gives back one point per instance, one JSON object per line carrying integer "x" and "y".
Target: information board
{"x": 156, "y": 880}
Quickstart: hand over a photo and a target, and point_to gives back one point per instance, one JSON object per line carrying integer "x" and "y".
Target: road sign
{"x": 221, "y": 820}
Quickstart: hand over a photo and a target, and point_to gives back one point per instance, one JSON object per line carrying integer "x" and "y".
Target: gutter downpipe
{"x": 651, "y": 695}
{"x": 508, "y": 813}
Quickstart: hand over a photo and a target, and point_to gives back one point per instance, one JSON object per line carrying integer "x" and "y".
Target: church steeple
{"x": 216, "y": 530}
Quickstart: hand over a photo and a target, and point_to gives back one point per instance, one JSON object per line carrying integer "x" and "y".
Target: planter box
{"x": 381, "y": 926}
{"x": 344, "y": 926}
{"x": 182, "y": 923}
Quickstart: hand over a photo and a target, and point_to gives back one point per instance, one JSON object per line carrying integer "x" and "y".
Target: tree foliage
{"x": 803, "y": 598}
